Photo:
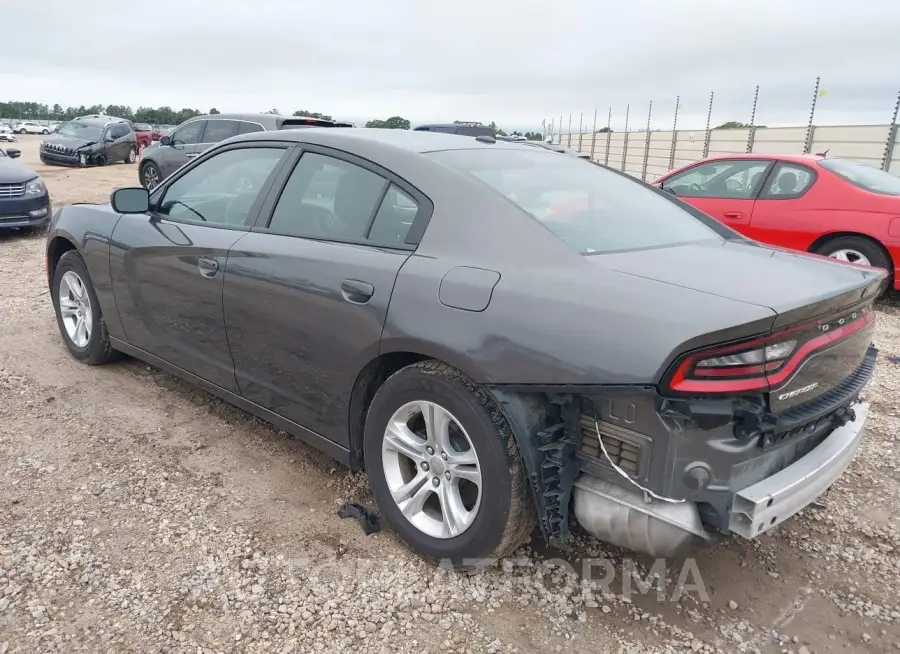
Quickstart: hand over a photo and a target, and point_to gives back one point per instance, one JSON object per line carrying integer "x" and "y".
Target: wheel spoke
{"x": 67, "y": 307}
{"x": 408, "y": 490}
{"x": 400, "y": 439}
{"x": 467, "y": 458}
{"x": 80, "y": 331}
{"x": 437, "y": 425}
{"x": 469, "y": 473}
{"x": 414, "y": 505}
{"x": 454, "y": 513}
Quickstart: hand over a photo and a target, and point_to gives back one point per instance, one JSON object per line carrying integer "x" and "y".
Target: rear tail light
{"x": 757, "y": 364}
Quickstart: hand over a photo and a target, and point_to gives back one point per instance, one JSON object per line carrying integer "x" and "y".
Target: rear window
{"x": 592, "y": 209}
{"x": 863, "y": 176}
{"x": 293, "y": 123}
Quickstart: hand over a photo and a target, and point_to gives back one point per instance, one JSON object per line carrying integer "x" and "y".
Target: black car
{"x": 24, "y": 200}
{"x": 466, "y": 128}
{"x": 501, "y": 336}
{"x": 201, "y": 133}
{"x": 90, "y": 141}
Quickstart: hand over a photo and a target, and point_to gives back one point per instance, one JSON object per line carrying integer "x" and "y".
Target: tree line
{"x": 166, "y": 115}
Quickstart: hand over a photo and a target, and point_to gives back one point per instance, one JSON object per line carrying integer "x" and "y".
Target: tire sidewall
{"x": 486, "y": 531}
{"x": 71, "y": 261}
{"x": 144, "y": 168}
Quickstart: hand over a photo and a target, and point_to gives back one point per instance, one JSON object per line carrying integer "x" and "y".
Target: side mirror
{"x": 130, "y": 200}
{"x": 165, "y": 140}
{"x": 13, "y": 153}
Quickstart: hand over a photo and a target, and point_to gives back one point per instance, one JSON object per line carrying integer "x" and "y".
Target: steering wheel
{"x": 321, "y": 220}
{"x": 191, "y": 209}
{"x": 244, "y": 185}
{"x": 696, "y": 187}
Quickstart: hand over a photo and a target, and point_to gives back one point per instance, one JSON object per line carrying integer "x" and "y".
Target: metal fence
{"x": 650, "y": 153}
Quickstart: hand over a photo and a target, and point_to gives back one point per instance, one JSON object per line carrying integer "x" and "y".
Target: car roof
{"x": 409, "y": 140}
{"x": 798, "y": 158}
{"x": 98, "y": 121}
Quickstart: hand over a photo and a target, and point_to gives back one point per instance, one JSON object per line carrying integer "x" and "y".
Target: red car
{"x": 143, "y": 134}
{"x": 835, "y": 207}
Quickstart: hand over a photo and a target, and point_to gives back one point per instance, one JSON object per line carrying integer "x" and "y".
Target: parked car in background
{"x": 90, "y": 141}
{"x": 24, "y": 200}
{"x": 198, "y": 134}
{"x": 29, "y": 127}
{"x": 838, "y": 208}
{"x": 638, "y": 366}
{"x": 468, "y": 128}
{"x": 143, "y": 135}
{"x": 6, "y": 133}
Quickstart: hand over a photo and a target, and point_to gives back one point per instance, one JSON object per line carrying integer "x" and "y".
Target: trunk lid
{"x": 825, "y": 305}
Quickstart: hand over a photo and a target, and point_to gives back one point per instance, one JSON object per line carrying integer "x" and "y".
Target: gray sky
{"x": 512, "y": 62}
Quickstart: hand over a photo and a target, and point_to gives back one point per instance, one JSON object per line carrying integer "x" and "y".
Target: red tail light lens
{"x": 755, "y": 365}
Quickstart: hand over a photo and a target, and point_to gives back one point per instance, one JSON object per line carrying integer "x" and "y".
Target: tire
{"x": 22, "y": 131}
{"x": 97, "y": 349}
{"x": 871, "y": 250}
{"x": 45, "y": 132}
{"x": 505, "y": 515}
{"x": 131, "y": 157}
{"x": 100, "y": 160}
{"x": 149, "y": 167}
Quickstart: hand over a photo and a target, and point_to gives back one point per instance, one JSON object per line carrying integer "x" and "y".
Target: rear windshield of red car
{"x": 591, "y": 208}
{"x": 863, "y": 176}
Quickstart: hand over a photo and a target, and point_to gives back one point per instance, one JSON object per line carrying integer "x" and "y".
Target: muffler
{"x": 621, "y": 516}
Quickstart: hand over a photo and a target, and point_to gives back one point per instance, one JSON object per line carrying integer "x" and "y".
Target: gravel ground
{"x": 140, "y": 515}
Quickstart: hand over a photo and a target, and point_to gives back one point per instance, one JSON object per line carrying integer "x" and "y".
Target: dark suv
{"x": 90, "y": 141}
{"x": 197, "y": 134}
{"x": 463, "y": 129}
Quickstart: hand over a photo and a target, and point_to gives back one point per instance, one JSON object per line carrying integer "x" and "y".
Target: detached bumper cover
{"x": 773, "y": 500}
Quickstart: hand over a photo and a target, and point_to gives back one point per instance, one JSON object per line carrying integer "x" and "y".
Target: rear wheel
{"x": 445, "y": 468}
{"x": 45, "y": 132}
{"x": 78, "y": 311}
{"x": 131, "y": 157}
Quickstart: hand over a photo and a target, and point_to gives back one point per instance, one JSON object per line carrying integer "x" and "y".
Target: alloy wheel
{"x": 75, "y": 309}
{"x": 151, "y": 177}
{"x": 432, "y": 469}
{"x": 850, "y": 256}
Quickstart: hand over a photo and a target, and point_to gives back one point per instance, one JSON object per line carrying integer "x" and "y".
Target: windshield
{"x": 80, "y": 130}
{"x": 863, "y": 176}
{"x": 2, "y": 154}
{"x": 141, "y": 127}
{"x": 590, "y": 208}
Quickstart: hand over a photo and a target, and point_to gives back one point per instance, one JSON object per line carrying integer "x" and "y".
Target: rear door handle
{"x": 208, "y": 267}
{"x": 734, "y": 215}
{"x": 357, "y": 292}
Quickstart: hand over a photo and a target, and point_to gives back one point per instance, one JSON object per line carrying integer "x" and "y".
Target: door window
{"x": 220, "y": 191}
{"x": 327, "y": 198}
{"x": 788, "y": 181}
{"x": 189, "y": 134}
{"x": 118, "y": 131}
{"x": 394, "y": 218}
{"x": 734, "y": 179}
{"x": 219, "y": 130}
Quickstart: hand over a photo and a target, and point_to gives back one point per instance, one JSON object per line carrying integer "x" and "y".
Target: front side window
{"x": 219, "y": 130}
{"x": 590, "y": 208}
{"x": 327, "y": 198}
{"x": 733, "y": 179}
{"x": 863, "y": 176}
{"x": 221, "y": 190}
{"x": 189, "y": 134}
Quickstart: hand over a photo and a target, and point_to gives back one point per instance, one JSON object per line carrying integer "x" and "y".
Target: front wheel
{"x": 45, "y": 132}
{"x": 445, "y": 468}
{"x": 22, "y": 131}
{"x": 78, "y": 311}
{"x": 150, "y": 175}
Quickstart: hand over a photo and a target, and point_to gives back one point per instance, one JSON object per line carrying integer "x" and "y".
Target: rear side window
{"x": 219, "y": 130}
{"x": 863, "y": 176}
{"x": 247, "y": 128}
{"x": 592, "y": 209}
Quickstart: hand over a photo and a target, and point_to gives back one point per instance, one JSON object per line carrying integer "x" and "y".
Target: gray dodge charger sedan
{"x": 502, "y": 337}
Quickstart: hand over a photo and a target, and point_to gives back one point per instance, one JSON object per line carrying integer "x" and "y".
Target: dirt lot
{"x": 140, "y": 515}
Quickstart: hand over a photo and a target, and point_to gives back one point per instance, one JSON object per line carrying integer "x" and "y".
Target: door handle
{"x": 191, "y": 155}
{"x": 734, "y": 215}
{"x": 357, "y": 292}
{"x": 208, "y": 267}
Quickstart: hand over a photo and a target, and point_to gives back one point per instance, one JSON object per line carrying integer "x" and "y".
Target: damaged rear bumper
{"x": 773, "y": 500}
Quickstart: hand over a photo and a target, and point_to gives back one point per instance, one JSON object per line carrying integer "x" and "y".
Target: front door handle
{"x": 357, "y": 292}
{"x": 734, "y": 215}
{"x": 208, "y": 267}
{"x": 191, "y": 155}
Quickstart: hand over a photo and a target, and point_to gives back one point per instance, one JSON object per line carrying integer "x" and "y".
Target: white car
{"x": 6, "y": 133}
{"x": 30, "y": 128}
